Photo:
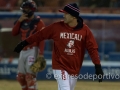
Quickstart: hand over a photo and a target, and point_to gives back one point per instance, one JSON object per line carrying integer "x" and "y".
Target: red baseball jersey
{"x": 69, "y": 46}
{"x": 27, "y": 28}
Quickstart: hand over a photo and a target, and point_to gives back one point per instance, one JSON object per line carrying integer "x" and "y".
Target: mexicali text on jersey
{"x": 73, "y": 36}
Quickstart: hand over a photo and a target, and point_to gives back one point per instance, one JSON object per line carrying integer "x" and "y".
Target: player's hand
{"x": 20, "y": 46}
{"x": 99, "y": 72}
{"x": 23, "y": 17}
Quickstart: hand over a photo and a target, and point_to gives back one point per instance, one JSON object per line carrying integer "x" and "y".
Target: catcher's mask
{"x": 31, "y": 5}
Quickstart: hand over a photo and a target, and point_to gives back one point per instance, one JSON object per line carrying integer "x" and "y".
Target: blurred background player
{"x": 27, "y": 25}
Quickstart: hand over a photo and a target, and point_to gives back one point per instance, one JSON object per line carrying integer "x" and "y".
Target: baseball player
{"x": 71, "y": 37}
{"x": 26, "y": 25}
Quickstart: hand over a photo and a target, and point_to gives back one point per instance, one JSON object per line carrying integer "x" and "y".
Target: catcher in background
{"x": 71, "y": 37}
{"x": 26, "y": 25}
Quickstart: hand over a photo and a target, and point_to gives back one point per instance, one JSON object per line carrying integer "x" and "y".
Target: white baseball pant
{"x": 64, "y": 80}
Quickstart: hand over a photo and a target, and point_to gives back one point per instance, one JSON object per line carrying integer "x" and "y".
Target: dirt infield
{"x": 52, "y": 85}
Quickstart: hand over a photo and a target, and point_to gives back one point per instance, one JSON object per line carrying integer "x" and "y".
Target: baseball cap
{"x": 72, "y": 9}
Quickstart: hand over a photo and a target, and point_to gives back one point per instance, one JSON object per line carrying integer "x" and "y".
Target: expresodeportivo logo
{"x": 84, "y": 76}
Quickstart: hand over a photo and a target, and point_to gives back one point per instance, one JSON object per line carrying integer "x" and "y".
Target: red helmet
{"x": 29, "y": 4}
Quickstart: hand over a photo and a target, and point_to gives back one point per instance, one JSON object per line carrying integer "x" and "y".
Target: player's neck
{"x": 73, "y": 23}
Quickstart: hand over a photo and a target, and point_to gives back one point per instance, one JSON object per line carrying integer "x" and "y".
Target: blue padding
{"x": 106, "y": 47}
{"x": 48, "y": 45}
{"x": 59, "y": 15}
{"x": 114, "y": 56}
{"x": 48, "y": 54}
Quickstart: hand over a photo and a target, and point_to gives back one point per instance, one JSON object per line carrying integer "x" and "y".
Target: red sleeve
{"x": 41, "y": 46}
{"x": 92, "y": 47}
{"x": 45, "y": 33}
{"x": 16, "y": 28}
{"x": 42, "y": 43}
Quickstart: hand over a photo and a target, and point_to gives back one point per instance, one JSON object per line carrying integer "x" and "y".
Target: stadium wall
{"x": 111, "y": 71}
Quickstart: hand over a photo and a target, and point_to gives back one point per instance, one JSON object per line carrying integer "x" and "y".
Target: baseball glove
{"x": 38, "y": 65}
